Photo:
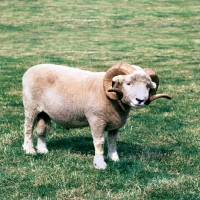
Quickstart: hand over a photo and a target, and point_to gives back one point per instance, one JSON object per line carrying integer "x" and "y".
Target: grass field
{"x": 159, "y": 147}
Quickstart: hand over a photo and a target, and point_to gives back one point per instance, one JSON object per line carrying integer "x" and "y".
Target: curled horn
{"x": 112, "y": 90}
{"x": 152, "y": 92}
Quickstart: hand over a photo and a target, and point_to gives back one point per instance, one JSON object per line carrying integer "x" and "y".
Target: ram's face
{"x": 135, "y": 88}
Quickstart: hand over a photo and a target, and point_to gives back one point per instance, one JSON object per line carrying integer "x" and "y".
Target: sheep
{"x": 75, "y": 98}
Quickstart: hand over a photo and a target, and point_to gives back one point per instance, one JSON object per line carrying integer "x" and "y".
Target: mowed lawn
{"x": 159, "y": 147}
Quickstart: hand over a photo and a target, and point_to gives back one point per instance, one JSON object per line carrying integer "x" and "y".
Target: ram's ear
{"x": 117, "y": 79}
{"x": 153, "y": 85}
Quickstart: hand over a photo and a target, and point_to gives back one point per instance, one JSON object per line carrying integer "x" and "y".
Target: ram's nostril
{"x": 139, "y": 100}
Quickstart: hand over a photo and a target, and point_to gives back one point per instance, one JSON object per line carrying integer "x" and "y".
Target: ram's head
{"x": 132, "y": 85}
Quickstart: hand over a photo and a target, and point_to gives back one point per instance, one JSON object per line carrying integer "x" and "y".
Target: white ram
{"x": 76, "y": 98}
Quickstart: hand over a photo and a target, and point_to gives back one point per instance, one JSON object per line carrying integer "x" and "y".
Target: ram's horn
{"x": 152, "y": 92}
{"x": 115, "y": 88}
{"x": 112, "y": 91}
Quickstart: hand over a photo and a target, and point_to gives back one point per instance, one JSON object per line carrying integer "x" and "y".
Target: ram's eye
{"x": 128, "y": 83}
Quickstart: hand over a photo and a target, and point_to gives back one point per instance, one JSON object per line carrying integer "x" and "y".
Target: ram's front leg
{"x": 112, "y": 149}
{"x": 98, "y": 140}
{"x": 99, "y": 162}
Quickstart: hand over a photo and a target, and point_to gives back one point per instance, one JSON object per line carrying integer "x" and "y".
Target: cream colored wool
{"x": 75, "y": 98}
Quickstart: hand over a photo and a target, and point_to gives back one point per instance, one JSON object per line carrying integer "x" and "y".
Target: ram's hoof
{"x": 99, "y": 162}
{"x": 29, "y": 150}
{"x": 113, "y": 156}
{"x": 42, "y": 150}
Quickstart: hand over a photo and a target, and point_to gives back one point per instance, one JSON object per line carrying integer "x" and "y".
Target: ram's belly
{"x": 67, "y": 116}
{"x": 70, "y": 121}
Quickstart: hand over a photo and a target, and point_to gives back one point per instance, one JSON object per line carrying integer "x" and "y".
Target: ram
{"x": 75, "y": 98}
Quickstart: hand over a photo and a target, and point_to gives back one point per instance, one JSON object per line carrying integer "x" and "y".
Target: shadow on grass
{"x": 77, "y": 144}
{"x": 84, "y": 146}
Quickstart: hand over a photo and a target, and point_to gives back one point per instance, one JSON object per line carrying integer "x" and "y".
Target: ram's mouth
{"x": 136, "y": 105}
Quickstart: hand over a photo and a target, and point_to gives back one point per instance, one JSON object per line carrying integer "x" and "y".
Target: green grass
{"x": 159, "y": 145}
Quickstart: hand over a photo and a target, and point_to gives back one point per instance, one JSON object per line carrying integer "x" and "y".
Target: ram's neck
{"x": 124, "y": 107}
{"x": 116, "y": 115}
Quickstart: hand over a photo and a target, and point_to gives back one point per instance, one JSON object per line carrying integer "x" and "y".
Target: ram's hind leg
{"x": 43, "y": 128}
{"x": 112, "y": 149}
{"x": 30, "y": 118}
